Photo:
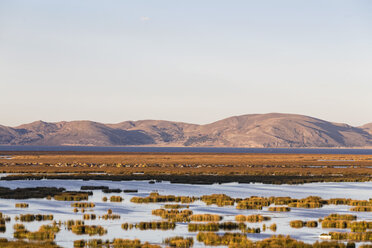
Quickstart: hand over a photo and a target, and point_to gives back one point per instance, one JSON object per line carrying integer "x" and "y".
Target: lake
{"x": 133, "y": 213}
{"x": 190, "y": 149}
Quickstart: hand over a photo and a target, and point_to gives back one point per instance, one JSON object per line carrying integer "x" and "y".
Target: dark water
{"x": 189, "y": 149}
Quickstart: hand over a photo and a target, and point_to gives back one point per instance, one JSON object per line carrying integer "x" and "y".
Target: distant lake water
{"x": 189, "y": 149}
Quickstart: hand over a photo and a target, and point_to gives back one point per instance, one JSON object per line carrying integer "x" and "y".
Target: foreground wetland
{"x": 77, "y": 199}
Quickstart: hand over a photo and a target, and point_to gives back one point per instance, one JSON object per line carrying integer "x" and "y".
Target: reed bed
{"x": 205, "y": 217}
{"x": 253, "y": 202}
{"x": 155, "y": 197}
{"x": 87, "y": 229}
{"x": 220, "y": 200}
{"x": 72, "y": 196}
{"x": 286, "y": 241}
{"x": 89, "y": 216}
{"x": 309, "y": 202}
{"x": 174, "y": 215}
{"x": 110, "y": 217}
{"x": 214, "y": 226}
{"x": 273, "y": 227}
{"x": 154, "y": 225}
{"x": 175, "y": 206}
{"x": 2, "y": 224}
{"x": 83, "y": 205}
{"x": 347, "y": 217}
{"x": 34, "y": 217}
{"x": 21, "y": 205}
{"x": 279, "y": 209}
{"x": 358, "y": 236}
{"x": 179, "y": 242}
{"x": 361, "y": 209}
{"x": 252, "y": 218}
{"x": 45, "y": 232}
{"x": 116, "y": 243}
{"x": 213, "y": 239}
{"x": 116, "y": 198}
{"x": 4, "y": 243}
{"x": 300, "y": 224}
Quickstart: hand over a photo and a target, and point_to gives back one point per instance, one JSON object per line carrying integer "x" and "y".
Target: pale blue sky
{"x": 193, "y": 61}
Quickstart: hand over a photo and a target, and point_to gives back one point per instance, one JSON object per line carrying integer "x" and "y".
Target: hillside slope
{"x": 257, "y": 130}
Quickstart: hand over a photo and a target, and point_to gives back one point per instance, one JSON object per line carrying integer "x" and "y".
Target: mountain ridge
{"x": 251, "y": 130}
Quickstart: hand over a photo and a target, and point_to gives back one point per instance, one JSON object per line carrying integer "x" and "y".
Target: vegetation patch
{"x": 155, "y": 197}
{"x": 252, "y": 218}
{"x": 179, "y": 242}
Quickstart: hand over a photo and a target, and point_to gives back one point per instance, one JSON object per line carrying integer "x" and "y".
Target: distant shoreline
{"x": 155, "y": 149}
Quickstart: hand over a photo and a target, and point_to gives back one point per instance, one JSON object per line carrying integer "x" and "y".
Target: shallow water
{"x": 132, "y": 213}
{"x": 188, "y": 149}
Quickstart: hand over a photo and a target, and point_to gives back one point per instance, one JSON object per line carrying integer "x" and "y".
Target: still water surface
{"x": 189, "y": 149}
{"x": 132, "y": 213}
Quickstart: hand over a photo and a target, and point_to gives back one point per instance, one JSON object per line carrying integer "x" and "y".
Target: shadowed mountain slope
{"x": 256, "y": 130}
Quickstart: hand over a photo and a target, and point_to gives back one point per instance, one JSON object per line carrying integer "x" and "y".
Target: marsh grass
{"x": 252, "y": 218}
{"x": 21, "y": 205}
{"x": 155, "y": 197}
{"x": 205, "y": 217}
{"x": 34, "y": 217}
{"x": 154, "y": 225}
{"x": 174, "y": 215}
{"x": 72, "y": 196}
{"x": 45, "y": 232}
{"x": 179, "y": 242}
{"x": 116, "y": 243}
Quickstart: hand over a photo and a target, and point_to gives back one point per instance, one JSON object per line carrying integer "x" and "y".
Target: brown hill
{"x": 257, "y": 130}
{"x": 367, "y": 128}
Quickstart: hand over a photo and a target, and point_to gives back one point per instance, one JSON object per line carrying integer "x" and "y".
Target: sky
{"x": 193, "y": 61}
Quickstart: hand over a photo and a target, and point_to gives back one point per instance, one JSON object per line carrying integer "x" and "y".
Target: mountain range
{"x": 254, "y": 130}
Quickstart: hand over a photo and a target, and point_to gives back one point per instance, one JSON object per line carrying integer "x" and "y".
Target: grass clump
{"x": 300, "y": 223}
{"x": 116, "y": 243}
{"x": 214, "y": 226}
{"x": 205, "y": 217}
{"x": 279, "y": 209}
{"x": 253, "y": 202}
{"x": 218, "y": 199}
{"x": 340, "y": 217}
{"x": 110, "y": 216}
{"x": 174, "y": 215}
{"x": 252, "y": 218}
{"x": 361, "y": 236}
{"x": 89, "y": 216}
{"x": 72, "y": 196}
{"x": 4, "y": 243}
{"x": 273, "y": 227}
{"x": 34, "y": 217}
{"x": 287, "y": 242}
{"x": 175, "y": 206}
{"x": 360, "y": 226}
{"x": 210, "y": 238}
{"x": 116, "y": 198}
{"x": 2, "y": 223}
{"x": 361, "y": 209}
{"x": 21, "y": 205}
{"x": 309, "y": 202}
{"x": 90, "y": 230}
{"x": 45, "y": 232}
{"x": 155, "y": 197}
{"x": 154, "y": 225}
{"x": 179, "y": 242}
{"x": 83, "y": 205}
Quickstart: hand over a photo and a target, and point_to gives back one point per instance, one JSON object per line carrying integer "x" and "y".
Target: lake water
{"x": 133, "y": 213}
{"x": 189, "y": 149}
